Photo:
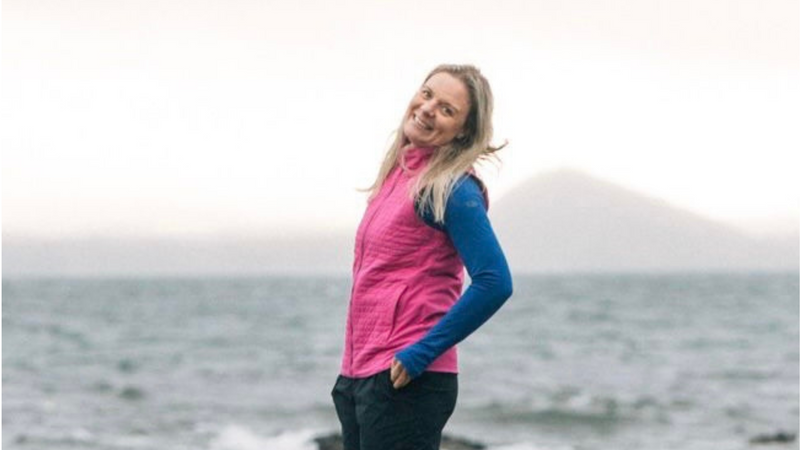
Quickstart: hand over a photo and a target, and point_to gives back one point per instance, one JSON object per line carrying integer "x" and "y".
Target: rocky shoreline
{"x": 780, "y": 437}
{"x": 333, "y": 441}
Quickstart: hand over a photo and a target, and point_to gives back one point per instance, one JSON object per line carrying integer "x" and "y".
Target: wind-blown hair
{"x": 449, "y": 162}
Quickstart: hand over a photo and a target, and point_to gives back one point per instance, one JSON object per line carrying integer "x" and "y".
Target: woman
{"x": 425, "y": 221}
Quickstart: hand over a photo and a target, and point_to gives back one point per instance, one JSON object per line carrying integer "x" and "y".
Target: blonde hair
{"x": 449, "y": 162}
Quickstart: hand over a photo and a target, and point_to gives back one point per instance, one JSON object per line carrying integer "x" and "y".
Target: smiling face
{"x": 438, "y": 111}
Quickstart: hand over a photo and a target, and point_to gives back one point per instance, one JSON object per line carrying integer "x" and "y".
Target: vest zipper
{"x": 361, "y": 254}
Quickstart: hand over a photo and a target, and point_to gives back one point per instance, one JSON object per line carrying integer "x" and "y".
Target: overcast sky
{"x": 232, "y": 117}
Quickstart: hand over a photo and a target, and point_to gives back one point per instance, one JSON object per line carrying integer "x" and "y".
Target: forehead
{"x": 450, "y": 89}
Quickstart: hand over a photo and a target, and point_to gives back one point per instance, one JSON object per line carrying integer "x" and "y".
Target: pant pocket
{"x": 437, "y": 382}
{"x": 335, "y": 385}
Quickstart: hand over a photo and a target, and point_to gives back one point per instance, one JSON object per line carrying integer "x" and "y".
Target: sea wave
{"x": 237, "y": 437}
{"x": 530, "y": 446}
{"x": 577, "y": 409}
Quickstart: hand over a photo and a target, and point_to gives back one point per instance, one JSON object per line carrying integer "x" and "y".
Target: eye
{"x": 447, "y": 111}
{"x": 426, "y": 94}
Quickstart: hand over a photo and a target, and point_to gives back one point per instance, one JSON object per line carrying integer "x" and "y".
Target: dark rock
{"x": 333, "y": 441}
{"x": 454, "y": 443}
{"x": 781, "y": 437}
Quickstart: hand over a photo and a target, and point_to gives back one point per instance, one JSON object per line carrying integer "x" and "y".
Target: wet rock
{"x": 333, "y": 441}
{"x": 454, "y": 443}
{"x": 781, "y": 437}
{"x": 329, "y": 442}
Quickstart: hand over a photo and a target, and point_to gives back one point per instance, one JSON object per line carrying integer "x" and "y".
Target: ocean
{"x": 612, "y": 361}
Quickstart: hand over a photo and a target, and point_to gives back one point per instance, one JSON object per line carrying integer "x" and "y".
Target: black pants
{"x": 376, "y": 416}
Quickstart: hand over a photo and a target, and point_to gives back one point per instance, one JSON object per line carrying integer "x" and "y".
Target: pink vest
{"x": 406, "y": 276}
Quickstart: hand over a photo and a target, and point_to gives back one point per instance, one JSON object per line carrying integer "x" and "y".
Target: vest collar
{"x": 415, "y": 157}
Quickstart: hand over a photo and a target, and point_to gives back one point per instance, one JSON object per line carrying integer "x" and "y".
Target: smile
{"x": 419, "y": 123}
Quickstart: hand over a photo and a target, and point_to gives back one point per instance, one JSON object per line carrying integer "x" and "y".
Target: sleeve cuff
{"x": 413, "y": 368}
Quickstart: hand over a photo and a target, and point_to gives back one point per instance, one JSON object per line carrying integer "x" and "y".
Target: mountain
{"x": 559, "y": 221}
{"x": 566, "y": 220}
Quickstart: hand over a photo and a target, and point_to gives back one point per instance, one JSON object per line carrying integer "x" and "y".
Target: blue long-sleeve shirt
{"x": 468, "y": 226}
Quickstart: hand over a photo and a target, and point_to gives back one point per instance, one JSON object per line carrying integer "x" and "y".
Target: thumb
{"x": 396, "y": 369}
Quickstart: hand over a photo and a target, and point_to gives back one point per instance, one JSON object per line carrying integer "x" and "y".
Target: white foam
{"x": 132, "y": 442}
{"x": 530, "y": 446}
{"x": 81, "y": 435}
{"x": 235, "y": 437}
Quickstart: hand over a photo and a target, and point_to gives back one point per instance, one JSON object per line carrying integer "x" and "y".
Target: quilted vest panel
{"x": 406, "y": 276}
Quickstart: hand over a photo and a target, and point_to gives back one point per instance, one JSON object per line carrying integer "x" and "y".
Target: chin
{"x": 414, "y": 140}
{"x": 418, "y": 142}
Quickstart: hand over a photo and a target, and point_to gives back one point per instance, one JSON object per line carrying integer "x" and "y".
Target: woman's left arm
{"x": 468, "y": 227}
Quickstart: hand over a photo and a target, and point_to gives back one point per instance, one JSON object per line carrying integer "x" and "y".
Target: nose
{"x": 427, "y": 108}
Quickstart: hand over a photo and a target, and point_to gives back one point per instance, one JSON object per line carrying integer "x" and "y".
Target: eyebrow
{"x": 443, "y": 101}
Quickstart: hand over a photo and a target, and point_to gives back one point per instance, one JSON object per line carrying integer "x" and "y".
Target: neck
{"x": 413, "y": 157}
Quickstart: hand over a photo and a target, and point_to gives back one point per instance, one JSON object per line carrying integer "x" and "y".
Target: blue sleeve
{"x": 468, "y": 227}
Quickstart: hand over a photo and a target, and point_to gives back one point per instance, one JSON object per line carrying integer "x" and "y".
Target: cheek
{"x": 414, "y": 103}
{"x": 453, "y": 126}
